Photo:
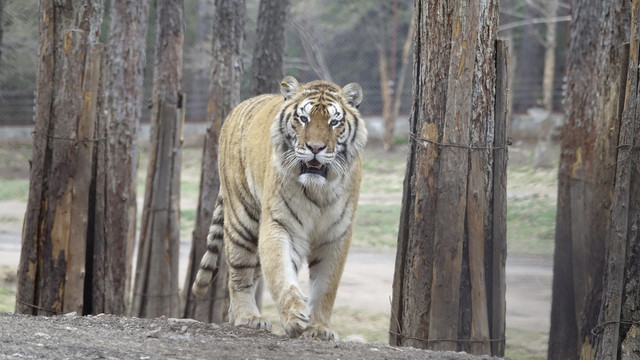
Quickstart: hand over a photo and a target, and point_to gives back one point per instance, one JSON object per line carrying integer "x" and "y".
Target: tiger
{"x": 290, "y": 168}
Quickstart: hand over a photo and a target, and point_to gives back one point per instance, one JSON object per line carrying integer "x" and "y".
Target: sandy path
{"x": 368, "y": 277}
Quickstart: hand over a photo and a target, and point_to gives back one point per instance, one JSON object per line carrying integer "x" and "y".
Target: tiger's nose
{"x": 315, "y": 148}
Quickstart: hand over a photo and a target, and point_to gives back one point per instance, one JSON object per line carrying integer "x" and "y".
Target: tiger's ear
{"x": 352, "y": 93}
{"x": 289, "y": 86}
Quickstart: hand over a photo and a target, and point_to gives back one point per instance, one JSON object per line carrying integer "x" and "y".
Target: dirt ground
{"x": 366, "y": 285}
{"x": 113, "y": 337}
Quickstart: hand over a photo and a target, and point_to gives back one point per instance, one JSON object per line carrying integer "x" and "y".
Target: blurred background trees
{"x": 342, "y": 41}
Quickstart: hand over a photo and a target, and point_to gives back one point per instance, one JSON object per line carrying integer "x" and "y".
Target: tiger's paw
{"x": 320, "y": 332}
{"x": 294, "y": 312}
{"x": 254, "y": 321}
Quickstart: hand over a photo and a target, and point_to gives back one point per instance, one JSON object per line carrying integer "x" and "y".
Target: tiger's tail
{"x": 208, "y": 264}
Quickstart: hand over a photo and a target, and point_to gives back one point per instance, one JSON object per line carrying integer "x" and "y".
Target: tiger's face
{"x": 319, "y": 131}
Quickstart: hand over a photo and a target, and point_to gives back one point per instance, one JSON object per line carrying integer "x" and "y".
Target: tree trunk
{"x": 156, "y": 285}
{"x": 392, "y": 83}
{"x": 224, "y": 95}
{"x": 621, "y": 293}
{"x": 1, "y": 27}
{"x": 269, "y": 51}
{"x": 199, "y": 52}
{"x": 542, "y": 154}
{"x": 529, "y": 65}
{"x": 586, "y": 175}
{"x": 446, "y": 291}
{"x": 386, "y": 94}
{"x": 116, "y": 167}
{"x": 402, "y": 75}
{"x": 53, "y": 257}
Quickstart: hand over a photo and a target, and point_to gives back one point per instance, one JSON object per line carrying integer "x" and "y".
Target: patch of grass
{"x": 382, "y": 172}
{"x": 14, "y": 189}
{"x": 7, "y": 289}
{"x": 187, "y": 222}
{"x": 400, "y": 140}
{"x": 7, "y": 300}
{"x": 14, "y": 158}
{"x": 190, "y": 188}
{"x": 522, "y": 178}
{"x": 531, "y": 226}
{"x": 376, "y": 226}
{"x": 525, "y": 344}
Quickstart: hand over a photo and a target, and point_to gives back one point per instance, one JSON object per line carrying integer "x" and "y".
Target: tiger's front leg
{"x": 326, "y": 263}
{"x": 279, "y": 264}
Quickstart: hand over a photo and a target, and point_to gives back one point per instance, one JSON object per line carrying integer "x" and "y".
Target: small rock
{"x": 355, "y": 339}
{"x": 182, "y": 321}
{"x": 71, "y": 314}
{"x": 42, "y": 335}
{"x": 153, "y": 333}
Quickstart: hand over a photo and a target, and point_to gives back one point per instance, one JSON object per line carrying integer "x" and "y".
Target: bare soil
{"x": 113, "y": 337}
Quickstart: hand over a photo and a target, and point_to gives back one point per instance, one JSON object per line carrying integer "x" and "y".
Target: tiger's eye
{"x": 334, "y": 123}
{"x": 304, "y": 119}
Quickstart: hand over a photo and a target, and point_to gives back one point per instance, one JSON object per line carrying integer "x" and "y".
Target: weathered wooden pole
{"x": 117, "y": 153}
{"x": 617, "y": 333}
{"x": 448, "y": 291}
{"x": 585, "y": 173}
{"x": 51, "y": 274}
{"x": 156, "y": 281}
{"x": 224, "y": 95}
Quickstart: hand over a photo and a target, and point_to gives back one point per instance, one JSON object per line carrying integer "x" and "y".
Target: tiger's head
{"x": 318, "y": 133}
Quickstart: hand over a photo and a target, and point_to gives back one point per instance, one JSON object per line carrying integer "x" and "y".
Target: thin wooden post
{"x": 608, "y": 345}
{"x": 26, "y": 296}
{"x": 498, "y": 257}
{"x": 83, "y": 176}
{"x": 156, "y": 290}
{"x": 156, "y": 284}
{"x": 451, "y": 195}
{"x": 66, "y": 109}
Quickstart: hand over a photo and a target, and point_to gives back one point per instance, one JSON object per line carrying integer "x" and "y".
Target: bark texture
{"x": 224, "y": 95}
{"x": 116, "y": 167}
{"x": 156, "y": 283}
{"x": 620, "y": 314}
{"x": 446, "y": 291}
{"x": 586, "y": 175}
{"x": 51, "y": 274}
{"x": 268, "y": 54}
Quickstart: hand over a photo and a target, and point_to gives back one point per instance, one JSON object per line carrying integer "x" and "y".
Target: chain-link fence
{"x": 18, "y": 62}
{"x": 333, "y": 40}
{"x": 342, "y": 41}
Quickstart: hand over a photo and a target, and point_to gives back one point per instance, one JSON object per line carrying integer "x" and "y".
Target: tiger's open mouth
{"x": 313, "y": 167}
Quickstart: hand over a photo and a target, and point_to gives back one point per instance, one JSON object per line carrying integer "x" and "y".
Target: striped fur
{"x": 290, "y": 174}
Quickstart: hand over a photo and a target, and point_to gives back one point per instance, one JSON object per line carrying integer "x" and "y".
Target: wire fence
{"x": 328, "y": 39}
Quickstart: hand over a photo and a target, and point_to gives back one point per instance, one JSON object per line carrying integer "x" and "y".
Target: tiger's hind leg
{"x": 241, "y": 247}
